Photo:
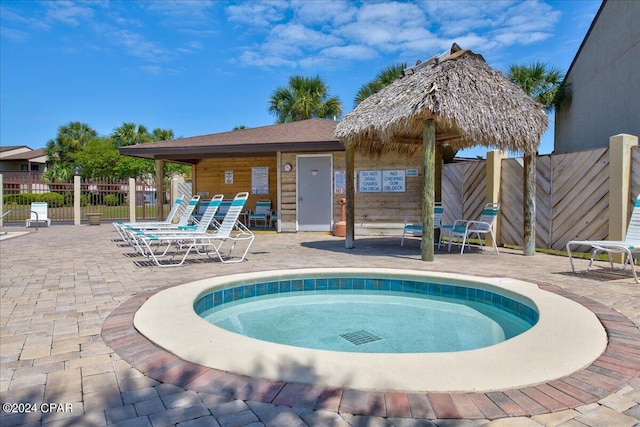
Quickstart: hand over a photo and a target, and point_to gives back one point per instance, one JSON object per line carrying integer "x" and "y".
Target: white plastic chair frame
{"x": 628, "y": 246}
{"x": 465, "y": 229}
{"x": 231, "y": 229}
{"x": 261, "y": 213}
{"x": 415, "y": 229}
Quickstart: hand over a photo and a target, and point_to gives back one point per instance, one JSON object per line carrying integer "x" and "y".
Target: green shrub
{"x": 24, "y": 198}
{"x": 111, "y": 200}
{"x": 9, "y": 199}
{"x": 68, "y": 199}
{"x": 54, "y": 200}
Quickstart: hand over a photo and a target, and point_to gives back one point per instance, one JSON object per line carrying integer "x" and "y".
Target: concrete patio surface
{"x": 69, "y": 354}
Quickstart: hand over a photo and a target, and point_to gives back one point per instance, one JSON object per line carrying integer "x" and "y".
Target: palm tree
{"x": 71, "y": 138}
{"x": 545, "y": 85}
{"x": 384, "y": 78}
{"x": 130, "y": 134}
{"x": 304, "y": 98}
{"x": 162, "y": 134}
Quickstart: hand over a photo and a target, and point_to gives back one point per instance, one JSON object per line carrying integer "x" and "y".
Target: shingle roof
{"x": 304, "y": 135}
{"x": 26, "y": 155}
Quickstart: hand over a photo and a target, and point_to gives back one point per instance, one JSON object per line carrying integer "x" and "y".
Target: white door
{"x": 314, "y": 185}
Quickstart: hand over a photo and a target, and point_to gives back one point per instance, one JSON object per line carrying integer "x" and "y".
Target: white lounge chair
{"x": 261, "y": 213}
{"x": 464, "y": 229}
{"x": 629, "y": 246}
{"x": 206, "y": 219}
{"x": 127, "y": 229}
{"x": 39, "y": 214}
{"x": 231, "y": 229}
{"x": 176, "y": 210}
{"x": 415, "y": 229}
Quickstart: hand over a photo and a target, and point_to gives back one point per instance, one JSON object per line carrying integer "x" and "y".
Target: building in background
{"x": 604, "y": 80}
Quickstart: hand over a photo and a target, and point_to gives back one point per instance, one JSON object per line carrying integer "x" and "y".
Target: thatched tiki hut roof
{"x": 452, "y": 99}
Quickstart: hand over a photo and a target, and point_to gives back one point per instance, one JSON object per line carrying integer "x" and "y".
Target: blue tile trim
{"x": 373, "y": 285}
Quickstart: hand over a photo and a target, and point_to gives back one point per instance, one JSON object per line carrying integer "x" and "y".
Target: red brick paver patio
{"x": 68, "y": 295}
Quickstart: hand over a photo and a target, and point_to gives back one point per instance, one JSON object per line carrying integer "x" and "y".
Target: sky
{"x": 201, "y": 67}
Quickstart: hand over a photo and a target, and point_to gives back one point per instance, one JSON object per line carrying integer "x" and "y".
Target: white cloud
{"x": 324, "y": 12}
{"x": 183, "y": 12}
{"x": 14, "y": 35}
{"x": 160, "y": 71}
{"x": 318, "y": 32}
{"x": 136, "y": 45}
{"x": 68, "y": 12}
{"x": 351, "y": 52}
{"x": 260, "y": 14}
{"x": 300, "y": 36}
{"x": 250, "y": 58}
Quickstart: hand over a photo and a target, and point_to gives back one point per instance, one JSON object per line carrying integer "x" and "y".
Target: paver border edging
{"x": 607, "y": 374}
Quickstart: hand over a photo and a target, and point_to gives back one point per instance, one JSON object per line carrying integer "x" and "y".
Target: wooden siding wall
{"x": 389, "y": 207}
{"x": 373, "y": 210}
{"x": 289, "y": 188}
{"x": 210, "y": 178}
{"x": 571, "y": 194}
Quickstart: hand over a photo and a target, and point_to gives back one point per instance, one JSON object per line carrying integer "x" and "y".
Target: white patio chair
{"x": 176, "y": 210}
{"x": 39, "y": 214}
{"x": 185, "y": 218}
{"x": 629, "y": 246}
{"x": 465, "y": 229}
{"x": 201, "y": 227}
{"x": 415, "y": 229}
{"x": 261, "y": 212}
{"x": 231, "y": 229}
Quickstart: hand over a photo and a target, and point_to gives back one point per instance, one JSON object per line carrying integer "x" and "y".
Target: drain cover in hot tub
{"x": 360, "y": 337}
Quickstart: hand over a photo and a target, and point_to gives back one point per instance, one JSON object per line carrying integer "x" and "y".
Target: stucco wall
{"x": 605, "y": 82}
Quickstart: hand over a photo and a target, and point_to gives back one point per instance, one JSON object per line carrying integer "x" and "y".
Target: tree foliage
{"x": 71, "y": 138}
{"x": 78, "y": 144}
{"x": 542, "y": 83}
{"x": 304, "y": 98}
{"x": 385, "y": 77}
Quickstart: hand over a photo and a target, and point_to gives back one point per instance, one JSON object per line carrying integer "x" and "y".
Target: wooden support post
{"x": 159, "y": 190}
{"x": 438, "y": 174}
{"x": 620, "y": 187}
{"x": 428, "y": 188}
{"x": 529, "y": 204}
{"x": 349, "y": 242}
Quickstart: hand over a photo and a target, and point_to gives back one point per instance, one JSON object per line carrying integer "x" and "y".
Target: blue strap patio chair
{"x": 415, "y": 229}
{"x": 463, "y": 229}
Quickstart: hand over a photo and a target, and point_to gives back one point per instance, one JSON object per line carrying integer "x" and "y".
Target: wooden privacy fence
{"x": 572, "y": 195}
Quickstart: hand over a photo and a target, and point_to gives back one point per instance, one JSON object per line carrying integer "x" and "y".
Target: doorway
{"x": 313, "y": 192}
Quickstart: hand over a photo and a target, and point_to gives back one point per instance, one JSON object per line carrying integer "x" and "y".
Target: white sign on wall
{"x": 393, "y": 181}
{"x": 370, "y": 181}
{"x": 340, "y": 182}
{"x": 228, "y": 177}
{"x": 260, "y": 180}
{"x": 387, "y": 181}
